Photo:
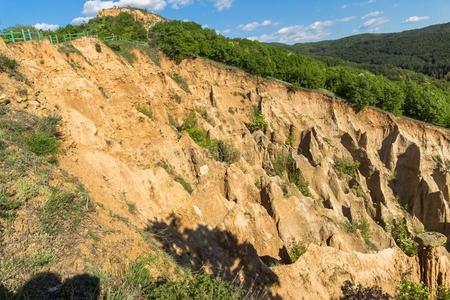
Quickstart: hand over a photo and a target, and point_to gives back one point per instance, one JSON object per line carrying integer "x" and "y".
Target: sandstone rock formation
{"x": 243, "y": 218}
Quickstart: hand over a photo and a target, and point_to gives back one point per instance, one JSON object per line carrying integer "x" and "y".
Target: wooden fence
{"x": 26, "y": 35}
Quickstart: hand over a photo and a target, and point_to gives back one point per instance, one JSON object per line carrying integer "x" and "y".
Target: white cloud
{"x": 176, "y": 4}
{"x": 80, "y": 20}
{"x": 222, "y": 4}
{"x": 45, "y": 26}
{"x": 256, "y": 25}
{"x": 373, "y": 23}
{"x": 301, "y": 33}
{"x": 414, "y": 19}
{"x": 372, "y": 14}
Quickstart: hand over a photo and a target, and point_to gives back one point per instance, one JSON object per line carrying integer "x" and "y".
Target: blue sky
{"x": 288, "y": 21}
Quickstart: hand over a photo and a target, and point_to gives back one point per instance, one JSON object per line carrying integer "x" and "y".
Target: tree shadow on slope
{"x": 218, "y": 251}
{"x": 50, "y": 286}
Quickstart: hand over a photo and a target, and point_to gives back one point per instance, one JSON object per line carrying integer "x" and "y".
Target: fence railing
{"x": 26, "y": 35}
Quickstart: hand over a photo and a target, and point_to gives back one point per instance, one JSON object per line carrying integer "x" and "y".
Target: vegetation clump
{"x": 403, "y": 238}
{"x": 351, "y": 291}
{"x": 443, "y": 293}
{"x": 182, "y": 83}
{"x": 8, "y": 65}
{"x": 136, "y": 282}
{"x": 169, "y": 169}
{"x": 296, "y": 251}
{"x": 219, "y": 150}
{"x": 346, "y": 167}
{"x": 409, "y": 290}
{"x": 257, "y": 121}
{"x": 285, "y": 167}
{"x": 145, "y": 110}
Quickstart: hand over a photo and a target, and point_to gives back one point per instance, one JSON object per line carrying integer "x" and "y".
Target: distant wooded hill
{"x": 425, "y": 50}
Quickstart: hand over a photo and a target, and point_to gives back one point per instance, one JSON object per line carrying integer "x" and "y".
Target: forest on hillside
{"x": 425, "y": 50}
{"x": 412, "y": 96}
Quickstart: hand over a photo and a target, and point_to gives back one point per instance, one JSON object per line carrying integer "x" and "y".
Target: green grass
{"x": 135, "y": 282}
{"x": 68, "y": 48}
{"x": 41, "y": 143}
{"x": 257, "y": 121}
{"x": 346, "y": 167}
{"x": 169, "y": 169}
{"x": 219, "y": 150}
{"x": 63, "y": 210}
{"x": 296, "y": 251}
{"x": 131, "y": 208}
{"x": 145, "y": 110}
{"x": 181, "y": 82}
{"x": 42, "y": 259}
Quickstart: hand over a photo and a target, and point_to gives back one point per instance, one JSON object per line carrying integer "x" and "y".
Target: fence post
{"x": 12, "y": 37}
{"x": 29, "y": 35}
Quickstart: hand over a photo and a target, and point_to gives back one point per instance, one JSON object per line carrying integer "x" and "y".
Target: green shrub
{"x": 346, "y": 167}
{"x": 145, "y": 111}
{"x": 409, "y": 290}
{"x": 443, "y": 293}
{"x": 285, "y": 167}
{"x": 224, "y": 152}
{"x": 41, "y": 143}
{"x": 257, "y": 121}
{"x": 403, "y": 238}
{"x": 296, "y": 251}
{"x": 8, "y": 65}
{"x": 189, "y": 121}
{"x": 356, "y": 292}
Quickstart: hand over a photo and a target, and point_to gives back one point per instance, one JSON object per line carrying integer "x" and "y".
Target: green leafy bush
{"x": 403, "y": 238}
{"x": 443, "y": 293}
{"x": 409, "y": 290}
